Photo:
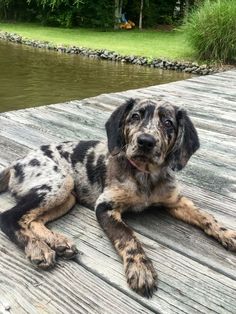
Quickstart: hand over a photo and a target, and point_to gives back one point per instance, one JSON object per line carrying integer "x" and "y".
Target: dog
{"x": 148, "y": 141}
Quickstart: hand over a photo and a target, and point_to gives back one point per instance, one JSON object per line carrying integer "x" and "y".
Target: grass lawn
{"x": 149, "y": 43}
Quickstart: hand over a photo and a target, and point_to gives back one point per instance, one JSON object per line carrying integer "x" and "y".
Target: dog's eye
{"x": 135, "y": 117}
{"x": 168, "y": 123}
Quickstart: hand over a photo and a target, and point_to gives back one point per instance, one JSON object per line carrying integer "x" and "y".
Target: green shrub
{"x": 211, "y": 30}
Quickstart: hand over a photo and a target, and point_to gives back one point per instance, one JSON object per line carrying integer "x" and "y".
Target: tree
{"x": 118, "y": 12}
{"x": 140, "y": 24}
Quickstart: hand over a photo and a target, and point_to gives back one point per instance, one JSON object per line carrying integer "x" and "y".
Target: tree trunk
{"x": 140, "y": 25}
{"x": 187, "y": 5}
{"x": 118, "y": 11}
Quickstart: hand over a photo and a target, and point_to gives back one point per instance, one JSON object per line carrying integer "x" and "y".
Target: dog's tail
{"x": 4, "y": 179}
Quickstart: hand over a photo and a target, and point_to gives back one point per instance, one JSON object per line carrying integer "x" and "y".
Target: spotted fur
{"x": 147, "y": 141}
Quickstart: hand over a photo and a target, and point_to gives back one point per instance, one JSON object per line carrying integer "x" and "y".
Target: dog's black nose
{"x": 146, "y": 142}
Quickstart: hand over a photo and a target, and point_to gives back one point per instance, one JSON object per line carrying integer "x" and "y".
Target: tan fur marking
{"x": 40, "y": 240}
{"x": 60, "y": 210}
{"x": 59, "y": 198}
{"x": 62, "y": 194}
{"x": 40, "y": 254}
{"x": 26, "y": 219}
{"x": 37, "y": 251}
{"x": 56, "y": 241}
{"x": 184, "y": 209}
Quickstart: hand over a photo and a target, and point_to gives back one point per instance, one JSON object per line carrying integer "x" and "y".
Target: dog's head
{"x": 151, "y": 134}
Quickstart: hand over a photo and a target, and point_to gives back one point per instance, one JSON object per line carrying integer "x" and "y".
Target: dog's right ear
{"x": 115, "y": 126}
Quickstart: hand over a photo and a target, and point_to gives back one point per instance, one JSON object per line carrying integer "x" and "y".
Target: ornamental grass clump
{"x": 211, "y": 30}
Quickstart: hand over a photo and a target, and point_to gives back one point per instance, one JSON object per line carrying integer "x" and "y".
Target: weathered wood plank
{"x": 185, "y": 286}
{"x": 182, "y": 92}
{"x": 196, "y": 273}
{"x": 175, "y": 271}
{"x": 10, "y": 150}
{"x": 69, "y": 288}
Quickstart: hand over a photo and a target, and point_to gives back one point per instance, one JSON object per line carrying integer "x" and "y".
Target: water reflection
{"x": 31, "y": 77}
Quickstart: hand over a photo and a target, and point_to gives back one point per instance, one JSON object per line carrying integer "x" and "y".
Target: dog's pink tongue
{"x": 141, "y": 166}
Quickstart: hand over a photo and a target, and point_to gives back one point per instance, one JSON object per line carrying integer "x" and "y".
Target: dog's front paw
{"x": 64, "y": 247}
{"x": 40, "y": 254}
{"x": 141, "y": 275}
{"x": 228, "y": 239}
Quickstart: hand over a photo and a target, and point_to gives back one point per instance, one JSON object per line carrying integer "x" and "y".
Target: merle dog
{"x": 147, "y": 141}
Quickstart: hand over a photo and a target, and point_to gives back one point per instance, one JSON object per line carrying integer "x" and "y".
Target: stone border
{"x": 187, "y": 67}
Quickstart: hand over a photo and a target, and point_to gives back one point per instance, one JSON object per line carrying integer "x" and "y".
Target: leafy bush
{"x": 211, "y": 30}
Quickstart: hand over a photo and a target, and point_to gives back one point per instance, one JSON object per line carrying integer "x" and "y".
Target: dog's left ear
{"x": 186, "y": 143}
{"x": 115, "y": 126}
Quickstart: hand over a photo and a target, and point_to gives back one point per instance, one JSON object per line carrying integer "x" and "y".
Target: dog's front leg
{"x": 184, "y": 209}
{"x": 140, "y": 274}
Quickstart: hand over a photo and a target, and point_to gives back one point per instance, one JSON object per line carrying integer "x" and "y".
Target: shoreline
{"x": 104, "y": 54}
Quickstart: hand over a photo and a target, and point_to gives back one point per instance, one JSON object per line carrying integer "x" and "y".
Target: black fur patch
{"x": 147, "y": 114}
{"x": 55, "y": 168}
{"x": 133, "y": 251}
{"x": 115, "y": 124}
{"x": 45, "y": 187}
{"x": 65, "y": 155}
{"x": 46, "y": 150}
{"x": 129, "y": 260}
{"x": 103, "y": 207}
{"x": 96, "y": 173}
{"x": 186, "y": 143}
{"x": 10, "y": 218}
{"x": 34, "y": 163}
{"x": 80, "y": 151}
{"x": 19, "y": 173}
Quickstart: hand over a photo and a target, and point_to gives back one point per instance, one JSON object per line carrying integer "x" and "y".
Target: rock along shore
{"x": 188, "y": 67}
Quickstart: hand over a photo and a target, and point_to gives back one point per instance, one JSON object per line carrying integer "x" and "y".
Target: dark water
{"x": 31, "y": 77}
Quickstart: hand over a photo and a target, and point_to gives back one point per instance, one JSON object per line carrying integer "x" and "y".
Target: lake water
{"x": 32, "y": 77}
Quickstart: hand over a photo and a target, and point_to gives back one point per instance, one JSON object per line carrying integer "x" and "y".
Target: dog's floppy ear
{"x": 186, "y": 143}
{"x": 115, "y": 125}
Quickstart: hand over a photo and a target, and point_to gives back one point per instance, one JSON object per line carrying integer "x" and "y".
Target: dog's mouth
{"x": 140, "y": 162}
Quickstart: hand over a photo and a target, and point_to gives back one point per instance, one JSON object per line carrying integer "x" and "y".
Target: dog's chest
{"x": 144, "y": 194}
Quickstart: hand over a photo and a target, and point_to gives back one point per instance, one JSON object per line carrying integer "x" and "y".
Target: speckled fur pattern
{"x": 147, "y": 141}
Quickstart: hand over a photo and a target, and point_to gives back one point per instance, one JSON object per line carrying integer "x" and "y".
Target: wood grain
{"x": 196, "y": 274}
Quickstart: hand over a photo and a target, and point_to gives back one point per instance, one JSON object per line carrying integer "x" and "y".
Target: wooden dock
{"x": 196, "y": 274}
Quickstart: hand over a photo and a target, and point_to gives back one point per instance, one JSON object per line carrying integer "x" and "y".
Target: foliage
{"x": 56, "y": 12}
{"x": 96, "y": 15}
{"x": 89, "y": 13}
{"x": 155, "y": 12}
{"x": 211, "y": 30}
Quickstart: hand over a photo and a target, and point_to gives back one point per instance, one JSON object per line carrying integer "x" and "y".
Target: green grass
{"x": 149, "y": 43}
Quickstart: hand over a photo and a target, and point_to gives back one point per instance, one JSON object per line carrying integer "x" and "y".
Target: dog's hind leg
{"x": 58, "y": 242}
{"x": 15, "y": 222}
